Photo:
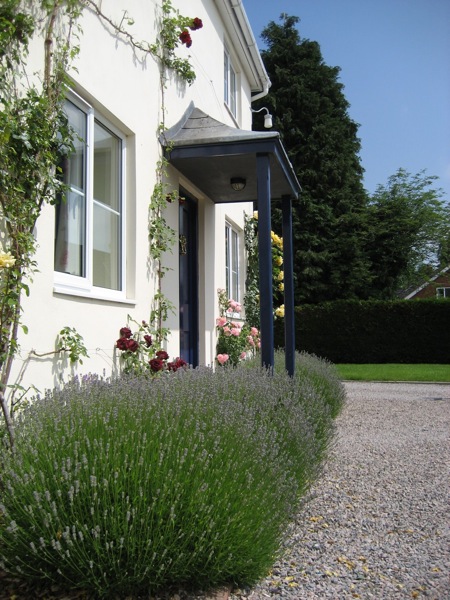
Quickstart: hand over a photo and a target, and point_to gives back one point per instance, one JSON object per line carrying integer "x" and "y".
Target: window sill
{"x": 92, "y": 295}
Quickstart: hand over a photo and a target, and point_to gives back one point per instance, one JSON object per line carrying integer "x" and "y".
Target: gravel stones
{"x": 376, "y": 524}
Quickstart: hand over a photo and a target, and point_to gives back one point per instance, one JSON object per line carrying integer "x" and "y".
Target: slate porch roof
{"x": 209, "y": 153}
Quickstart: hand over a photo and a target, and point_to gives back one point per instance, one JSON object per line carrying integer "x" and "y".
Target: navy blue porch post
{"x": 265, "y": 260}
{"x": 288, "y": 268}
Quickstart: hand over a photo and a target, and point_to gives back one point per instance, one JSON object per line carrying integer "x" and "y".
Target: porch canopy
{"x": 209, "y": 154}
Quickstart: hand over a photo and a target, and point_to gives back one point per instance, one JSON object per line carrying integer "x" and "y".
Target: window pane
{"x": 107, "y": 170}
{"x": 106, "y": 167}
{"x": 227, "y": 260}
{"x": 70, "y": 239}
{"x": 232, "y": 263}
{"x": 235, "y": 267}
{"x": 70, "y": 224}
{"x": 106, "y": 257}
{"x": 225, "y": 77}
{"x": 74, "y": 170}
{"x": 232, "y": 91}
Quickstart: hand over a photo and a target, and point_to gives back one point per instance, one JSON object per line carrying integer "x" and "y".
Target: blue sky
{"x": 394, "y": 57}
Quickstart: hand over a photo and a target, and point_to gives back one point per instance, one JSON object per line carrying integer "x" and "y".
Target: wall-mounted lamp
{"x": 267, "y": 117}
{"x": 238, "y": 183}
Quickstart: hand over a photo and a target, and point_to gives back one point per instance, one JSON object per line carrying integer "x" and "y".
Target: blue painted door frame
{"x": 188, "y": 275}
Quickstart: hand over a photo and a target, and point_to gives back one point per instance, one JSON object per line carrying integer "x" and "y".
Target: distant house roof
{"x": 427, "y": 283}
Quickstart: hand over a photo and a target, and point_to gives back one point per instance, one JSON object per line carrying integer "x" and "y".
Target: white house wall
{"x": 124, "y": 87}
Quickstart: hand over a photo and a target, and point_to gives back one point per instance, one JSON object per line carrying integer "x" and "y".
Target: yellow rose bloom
{"x": 281, "y": 287}
{"x": 278, "y": 261}
{"x": 280, "y": 311}
{"x": 276, "y": 239}
{"x": 255, "y": 214}
{"x": 280, "y": 276}
{"x": 7, "y": 260}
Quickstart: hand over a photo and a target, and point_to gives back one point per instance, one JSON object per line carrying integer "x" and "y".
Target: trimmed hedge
{"x": 373, "y": 331}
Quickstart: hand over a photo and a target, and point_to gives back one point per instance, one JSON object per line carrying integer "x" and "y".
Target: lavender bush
{"x": 127, "y": 486}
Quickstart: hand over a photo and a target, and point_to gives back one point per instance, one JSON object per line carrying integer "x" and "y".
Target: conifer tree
{"x": 311, "y": 113}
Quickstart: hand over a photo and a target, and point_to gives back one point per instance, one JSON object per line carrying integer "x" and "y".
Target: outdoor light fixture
{"x": 267, "y": 117}
{"x": 238, "y": 183}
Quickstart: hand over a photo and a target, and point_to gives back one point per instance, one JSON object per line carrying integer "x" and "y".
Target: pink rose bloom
{"x": 234, "y": 306}
{"x": 226, "y": 331}
{"x": 236, "y": 325}
{"x": 242, "y": 355}
{"x": 250, "y": 340}
{"x": 222, "y": 358}
{"x": 236, "y": 331}
{"x": 220, "y": 322}
{"x": 259, "y": 344}
{"x": 254, "y": 331}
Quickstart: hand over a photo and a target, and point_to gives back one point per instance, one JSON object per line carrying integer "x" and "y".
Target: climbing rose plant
{"x": 251, "y": 298}
{"x": 236, "y": 340}
{"x": 140, "y": 354}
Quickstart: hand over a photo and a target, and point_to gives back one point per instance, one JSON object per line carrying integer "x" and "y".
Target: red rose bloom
{"x": 148, "y": 340}
{"x": 132, "y": 345}
{"x": 196, "y": 24}
{"x": 162, "y": 355}
{"x": 156, "y": 364}
{"x": 185, "y": 38}
{"x": 125, "y": 332}
{"x": 178, "y": 363}
{"x": 121, "y": 343}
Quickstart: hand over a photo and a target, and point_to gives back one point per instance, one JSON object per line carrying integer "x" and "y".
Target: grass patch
{"x": 394, "y": 372}
{"x": 190, "y": 479}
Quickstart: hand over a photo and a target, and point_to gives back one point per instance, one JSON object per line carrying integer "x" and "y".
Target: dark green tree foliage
{"x": 409, "y": 233}
{"x": 311, "y": 114}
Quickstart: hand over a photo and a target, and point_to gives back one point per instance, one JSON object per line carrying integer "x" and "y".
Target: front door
{"x": 188, "y": 280}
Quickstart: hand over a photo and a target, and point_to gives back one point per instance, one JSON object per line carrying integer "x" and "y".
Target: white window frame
{"x": 443, "y": 292}
{"x": 230, "y": 88}
{"x": 65, "y": 283}
{"x": 232, "y": 250}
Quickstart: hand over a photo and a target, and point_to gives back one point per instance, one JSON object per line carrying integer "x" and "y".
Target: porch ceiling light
{"x": 238, "y": 183}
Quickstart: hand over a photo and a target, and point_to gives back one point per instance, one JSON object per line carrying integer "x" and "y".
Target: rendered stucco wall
{"x": 124, "y": 87}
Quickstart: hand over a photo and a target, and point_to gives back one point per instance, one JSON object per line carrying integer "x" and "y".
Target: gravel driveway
{"x": 377, "y": 524}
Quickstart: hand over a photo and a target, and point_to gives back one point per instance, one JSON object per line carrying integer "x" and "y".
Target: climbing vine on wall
{"x": 175, "y": 30}
{"x": 34, "y": 136}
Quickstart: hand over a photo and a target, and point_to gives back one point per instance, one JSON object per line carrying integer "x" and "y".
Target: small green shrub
{"x": 123, "y": 487}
